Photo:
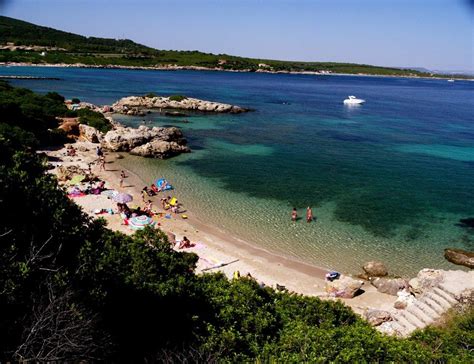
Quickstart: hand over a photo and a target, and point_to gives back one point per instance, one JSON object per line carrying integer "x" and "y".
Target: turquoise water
{"x": 387, "y": 180}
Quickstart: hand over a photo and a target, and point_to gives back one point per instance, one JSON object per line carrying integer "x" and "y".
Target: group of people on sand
{"x": 91, "y": 189}
{"x": 309, "y": 214}
{"x": 153, "y": 190}
{"x": 126, "y": 212}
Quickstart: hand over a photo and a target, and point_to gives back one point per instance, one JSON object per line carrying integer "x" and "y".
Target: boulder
{"x": 426, "y": 279}
{"x": 389, "y": 285}
{"x": 159, "y": 149}
{"x": 344, "y": 287}
{"x": 460, "y": 257}
{"x": 90, "y": 134}
{"x": 377, "y": 317}
{"x": 375, "y": 269}
{"x": 66, "y": 173}
{"x": 70, "y": 126}
{"x": 147, "y": 142}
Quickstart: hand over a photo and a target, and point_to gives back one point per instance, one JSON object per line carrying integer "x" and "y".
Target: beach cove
{"x": 217, "y": 250}
{"x": 371, "y": 174}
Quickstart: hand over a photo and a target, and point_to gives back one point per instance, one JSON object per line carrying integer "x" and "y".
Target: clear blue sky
{"x": 436, "y": 34}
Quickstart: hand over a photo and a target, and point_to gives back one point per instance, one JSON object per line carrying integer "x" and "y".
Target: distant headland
{"x": 23, "y": 43}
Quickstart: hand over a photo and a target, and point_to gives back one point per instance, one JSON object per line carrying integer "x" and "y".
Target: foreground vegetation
{"x": 72, "y": 289}
{"x": 101, "y": 52}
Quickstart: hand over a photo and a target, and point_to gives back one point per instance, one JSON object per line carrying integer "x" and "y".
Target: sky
{"x": 435, "y": 34}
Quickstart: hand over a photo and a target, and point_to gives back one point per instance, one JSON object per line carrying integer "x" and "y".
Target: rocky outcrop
{"x": 389, "y": 285}
{"x": 135, "y": 104}
{"x": 375, "y": 269}
{"x": 147, "y": 142}
{"x": 425, "y": 280}
{"x": 444, "y": 290}
{"x": 344, "y": 287}
{"x": 70, "y": 126}
{"x": 90, "y": 134}
{"x": 460, "y": 257}
{"x": 66, "y": 173}
{"x": 159, "y": 149}
{"x": 377, "y": 317}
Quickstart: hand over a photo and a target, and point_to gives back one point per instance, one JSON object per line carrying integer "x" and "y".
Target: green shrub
{"x": 151, "y": 95}
{"x": 94, "y": 119}
{"x": 55, "y": 96}
{"x": 75, "y": 100}
{"x": 177, "y": 98}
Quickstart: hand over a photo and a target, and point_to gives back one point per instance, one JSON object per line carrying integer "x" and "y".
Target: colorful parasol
{"x": 139, "y": 222}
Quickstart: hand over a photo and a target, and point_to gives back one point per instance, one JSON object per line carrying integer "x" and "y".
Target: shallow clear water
{"x": 387, "y": 180}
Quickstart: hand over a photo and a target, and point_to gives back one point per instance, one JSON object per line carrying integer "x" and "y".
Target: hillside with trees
{"x": 71, "y": 290}
{"x": 69, "y": 48}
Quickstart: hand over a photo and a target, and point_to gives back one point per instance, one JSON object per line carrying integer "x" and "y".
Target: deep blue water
{"x": 401, "y": 166}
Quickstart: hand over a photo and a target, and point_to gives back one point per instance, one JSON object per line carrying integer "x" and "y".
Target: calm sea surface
{"x": 387, "y": 180}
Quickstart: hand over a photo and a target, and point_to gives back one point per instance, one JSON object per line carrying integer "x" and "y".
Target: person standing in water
{"x": 294, "y": 214}
{"x": 309, "y": 214}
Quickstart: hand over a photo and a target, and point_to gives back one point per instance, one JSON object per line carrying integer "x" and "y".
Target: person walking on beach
{"x": 309, "y": 214}
{"x": 122, "y": 177}
{"x": 102, "y": 163}
{"x": 99, "y": 152}
{"x": 294, "y": 214}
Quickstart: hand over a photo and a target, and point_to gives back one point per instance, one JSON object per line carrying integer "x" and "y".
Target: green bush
{"x": 94, "y": 119}
{"x": 177, "y": 98}
{"x": 75, "y": 100}
{"x": 151, "y": 95}
{"x": 31, "y": 112}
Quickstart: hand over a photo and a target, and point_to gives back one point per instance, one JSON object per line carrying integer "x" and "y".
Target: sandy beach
{"x": 217, "y": 250}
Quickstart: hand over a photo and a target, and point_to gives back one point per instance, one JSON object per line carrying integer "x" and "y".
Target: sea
{"x": 388, "y": 180}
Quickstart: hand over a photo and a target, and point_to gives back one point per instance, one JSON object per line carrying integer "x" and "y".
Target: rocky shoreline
{"x": 420, "y": 301}
{"x": 167, "y": 67}
{"x": 29, "y": 78}
{"x": 154, "y": 142}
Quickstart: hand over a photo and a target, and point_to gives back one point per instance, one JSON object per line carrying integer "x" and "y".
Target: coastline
{"x": 215, "y": 247}
{"x": 219, "y": 69}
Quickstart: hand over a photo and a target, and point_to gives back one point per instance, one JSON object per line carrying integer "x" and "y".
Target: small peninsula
{"x": 126, "y": 105}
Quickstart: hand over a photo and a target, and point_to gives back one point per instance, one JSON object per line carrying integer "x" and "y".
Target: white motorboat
{"x": 451, "y": 80}
{"x": 352, "y": 100}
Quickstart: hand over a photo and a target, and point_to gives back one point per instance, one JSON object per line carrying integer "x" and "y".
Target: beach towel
{"x": 77, "y": 194}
